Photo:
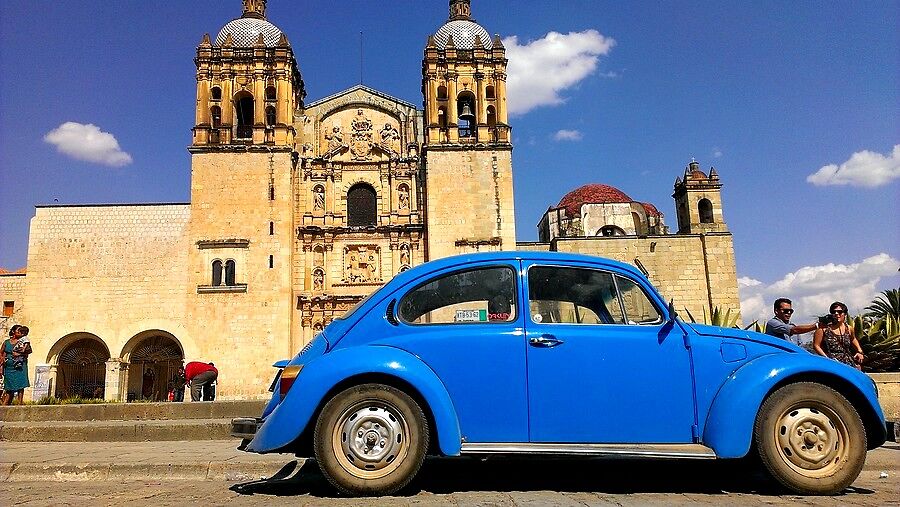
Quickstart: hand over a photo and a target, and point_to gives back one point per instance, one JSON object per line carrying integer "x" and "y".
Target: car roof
{"x": 524, "y": 255}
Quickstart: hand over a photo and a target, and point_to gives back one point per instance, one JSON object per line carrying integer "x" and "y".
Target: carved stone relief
{"x": 361, "y": 264}
{"x": 361, "y": 136}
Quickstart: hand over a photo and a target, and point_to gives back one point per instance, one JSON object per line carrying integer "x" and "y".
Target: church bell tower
{"x": 468, "y": 154}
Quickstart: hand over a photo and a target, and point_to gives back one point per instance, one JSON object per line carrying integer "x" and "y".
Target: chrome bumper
{"x": 245, "y": 427}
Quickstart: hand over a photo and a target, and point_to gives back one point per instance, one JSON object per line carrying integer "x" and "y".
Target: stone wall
{"x": 109, "y": 272}
{"x": 244, "y": 328}
{"x": 12, "y": 289}
{"x": 693, "y": 270}
{"x": 469, "y": 201}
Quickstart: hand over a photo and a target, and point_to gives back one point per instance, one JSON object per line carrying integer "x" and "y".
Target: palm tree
{"x": 887, "y": 304}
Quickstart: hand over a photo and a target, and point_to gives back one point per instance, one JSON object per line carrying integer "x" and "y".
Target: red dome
{"x": 595, "y": 193}
{"x": 696, "y": 175}
{"x": 651, "y": 209}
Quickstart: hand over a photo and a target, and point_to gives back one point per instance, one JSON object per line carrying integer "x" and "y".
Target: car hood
{"x": 746, "y": 335}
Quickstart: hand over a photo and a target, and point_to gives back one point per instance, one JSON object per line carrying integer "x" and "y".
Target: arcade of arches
{"x": 81, "y": 365}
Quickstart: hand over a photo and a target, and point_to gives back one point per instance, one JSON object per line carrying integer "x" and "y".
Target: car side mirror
{"x": 672, "y": 313}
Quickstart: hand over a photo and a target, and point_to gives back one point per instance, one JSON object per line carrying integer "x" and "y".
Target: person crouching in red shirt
{"x": 200, "y": 376}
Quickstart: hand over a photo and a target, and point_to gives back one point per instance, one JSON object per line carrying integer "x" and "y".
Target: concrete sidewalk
{"x": 177, "y": 460}
{"x": 196, "y": 460}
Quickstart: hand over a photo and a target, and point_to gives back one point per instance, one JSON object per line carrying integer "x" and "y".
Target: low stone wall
{"x": 888, "y": 394}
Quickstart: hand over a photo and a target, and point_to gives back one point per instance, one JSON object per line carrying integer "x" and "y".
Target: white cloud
{"x": 813, "y": 288}
{"x": 539, "y": 70}
{"x": 863, "y": 169}
{"x": 568, "y": 135}
{"x": 717, "y": 153}
{"x": 88, "y": 143}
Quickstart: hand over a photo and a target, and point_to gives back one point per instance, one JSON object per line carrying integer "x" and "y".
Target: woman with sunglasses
{"x": 835, "y": 339}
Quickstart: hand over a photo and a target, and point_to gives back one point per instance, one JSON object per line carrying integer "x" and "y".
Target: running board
{"x": 661, "y": 451}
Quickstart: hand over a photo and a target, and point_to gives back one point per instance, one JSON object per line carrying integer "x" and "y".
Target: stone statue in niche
{"x": 318, "y": 280}
{"x": 319, "y": 198}
{"x": 389, "y": 135}
{"x": 403, "y": 196}
{"x": 335, "y": 138}
{"x": 361, "y": 264}
{"x": 317, "y": 327}
{"x": 361, "y": 134}
{"x": 404, "y": 254}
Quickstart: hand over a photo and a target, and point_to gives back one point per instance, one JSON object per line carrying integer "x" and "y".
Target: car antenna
{"x": 637, "y": 262}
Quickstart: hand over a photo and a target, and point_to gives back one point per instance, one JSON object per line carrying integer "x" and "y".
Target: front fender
{"x": 291, "y": 417}
{"x": 729, "y": 424}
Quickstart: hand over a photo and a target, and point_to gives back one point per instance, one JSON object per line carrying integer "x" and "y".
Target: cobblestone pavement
{"x": 495, "y": 482}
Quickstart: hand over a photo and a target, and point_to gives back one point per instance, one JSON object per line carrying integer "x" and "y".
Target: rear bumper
{"x": 245, "y": 427}
{"x": 892, "y": 431}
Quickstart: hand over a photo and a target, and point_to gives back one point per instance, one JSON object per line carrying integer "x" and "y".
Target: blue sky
{"x": 625, "y": 93}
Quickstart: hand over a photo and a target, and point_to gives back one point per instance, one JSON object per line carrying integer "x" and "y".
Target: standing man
{"x": 200, "y": 376}
{"x": 780, "y": 325}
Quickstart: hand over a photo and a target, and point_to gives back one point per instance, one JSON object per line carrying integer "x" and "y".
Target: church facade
{"x": 300, "y": 209}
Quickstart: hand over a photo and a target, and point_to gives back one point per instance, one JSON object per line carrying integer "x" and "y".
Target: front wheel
{"x": 371, "y": 440}
{"x": 810, "y": 438}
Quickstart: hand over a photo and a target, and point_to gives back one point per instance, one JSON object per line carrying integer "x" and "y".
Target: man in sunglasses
{"x": 781, "y": 327}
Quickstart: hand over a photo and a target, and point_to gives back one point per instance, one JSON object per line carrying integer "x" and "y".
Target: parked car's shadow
{"x": 450, "y": 475}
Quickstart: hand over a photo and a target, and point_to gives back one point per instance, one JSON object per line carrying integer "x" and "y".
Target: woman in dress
{"x": 15, "y": 374}
{"x": 837, "y": 340}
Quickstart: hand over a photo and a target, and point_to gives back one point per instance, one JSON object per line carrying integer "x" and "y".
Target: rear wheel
{"x": 371, "y": 440}
{"x": 810, "y": 438}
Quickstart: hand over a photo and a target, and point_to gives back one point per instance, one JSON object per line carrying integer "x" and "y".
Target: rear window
{"x": 483, "y": 295}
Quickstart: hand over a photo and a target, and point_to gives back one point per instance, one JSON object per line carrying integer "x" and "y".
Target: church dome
{"x": 595, "y": 193}
{"x": 464, "y": 33}
{"x": 245, "y": 32}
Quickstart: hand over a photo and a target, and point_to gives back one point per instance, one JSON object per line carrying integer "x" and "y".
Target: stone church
{"x": 299, "y": 209}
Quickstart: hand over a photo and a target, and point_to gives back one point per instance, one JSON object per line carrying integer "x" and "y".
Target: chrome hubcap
{"x": 370, "y": 439}
{"x": 811, "y": 439}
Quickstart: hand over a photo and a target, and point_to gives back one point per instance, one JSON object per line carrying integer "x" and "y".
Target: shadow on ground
{"x": 454, "y": 475}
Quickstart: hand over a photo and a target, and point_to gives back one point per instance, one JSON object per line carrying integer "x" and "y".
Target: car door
{"x": 466, "y": 324}
{"x": 603, "y": 366}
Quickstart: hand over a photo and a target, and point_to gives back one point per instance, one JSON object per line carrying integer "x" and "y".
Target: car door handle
{"x": 545, "y": 340}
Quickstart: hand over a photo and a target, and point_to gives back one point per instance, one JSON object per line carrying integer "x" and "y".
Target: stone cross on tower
{"x": 460, "y": 9}
{"x": 254, "y": 9}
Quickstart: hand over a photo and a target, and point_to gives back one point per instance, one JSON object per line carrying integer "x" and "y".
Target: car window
{"x": 638, "y": 307}
{"x": 567, "y": 295}
{"x": 484, "y": 295}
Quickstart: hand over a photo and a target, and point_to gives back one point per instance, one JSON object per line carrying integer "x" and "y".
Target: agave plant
{"x": 880, "y": 341}
{"x": 717, "y": 317}
{"x": 886, "y": 304}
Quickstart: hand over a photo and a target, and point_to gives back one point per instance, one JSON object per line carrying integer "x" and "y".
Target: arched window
{"x": 491, "y": 117}
{"x": 489, "y": 92}
{"x": 465, "y": 111}
{"x": 215, "y": 114}
{"x": 229, "y": 272}
{"x": 706, "y": 211}
{"x": 442, "y": 117}
{"x": 270, "y": 116}
{"x": 636, "y": 218}
{"x": 442, "y": 92}
{"x": 216, "y": 93}
{"x": 361, "y": 205}
{"x": 610, "y": 230}
{"x": 270, "y": 93}
{"x": 216, "y": 273}
{"x": 243, "y": 110}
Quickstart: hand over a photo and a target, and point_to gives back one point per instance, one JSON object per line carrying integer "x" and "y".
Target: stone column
{"x": 113, "y": 384}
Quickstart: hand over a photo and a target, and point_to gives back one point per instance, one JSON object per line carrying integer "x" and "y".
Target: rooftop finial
{"x": 460, "y": 9}
{"x": 254, "y": 9}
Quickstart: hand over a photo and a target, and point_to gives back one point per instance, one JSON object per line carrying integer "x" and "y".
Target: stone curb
{"x": 117, "y": 431}
{"x": 209, "y": 470}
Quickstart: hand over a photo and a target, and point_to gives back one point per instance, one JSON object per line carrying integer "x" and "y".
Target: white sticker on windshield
{"x": 470, "y": 316}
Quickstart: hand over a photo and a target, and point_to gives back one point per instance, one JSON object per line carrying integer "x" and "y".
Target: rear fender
{"x": 292, "y": 416}
{"x": 729, "y": 424}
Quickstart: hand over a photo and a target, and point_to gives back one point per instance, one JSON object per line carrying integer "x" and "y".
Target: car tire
{"x": 810, "y": 439}
{"x": 371, "y": 440}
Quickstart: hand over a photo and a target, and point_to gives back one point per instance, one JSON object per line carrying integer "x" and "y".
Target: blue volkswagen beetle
{"x": 556, "y": 354}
